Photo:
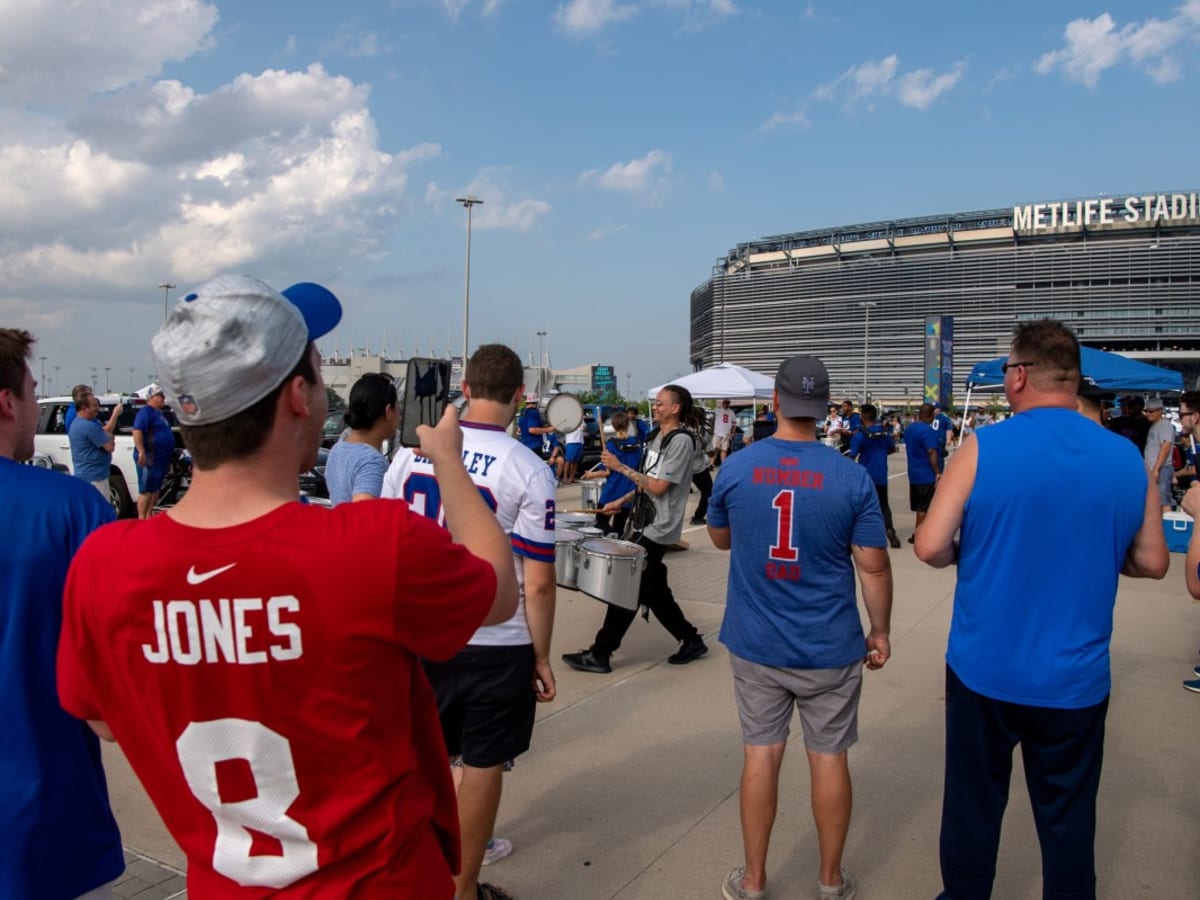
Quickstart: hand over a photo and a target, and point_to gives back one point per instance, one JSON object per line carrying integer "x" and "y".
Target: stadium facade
{"x": 1122, "y": 271}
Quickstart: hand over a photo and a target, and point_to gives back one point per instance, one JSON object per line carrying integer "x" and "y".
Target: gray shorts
{"x": 827, "y": 700}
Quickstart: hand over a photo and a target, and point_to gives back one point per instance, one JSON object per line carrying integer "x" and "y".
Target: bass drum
{"x": 610, "y": 571}
{"x": 564, "y": 413}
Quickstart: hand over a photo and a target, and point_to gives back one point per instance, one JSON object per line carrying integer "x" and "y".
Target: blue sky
{"x": 620, "y": 148}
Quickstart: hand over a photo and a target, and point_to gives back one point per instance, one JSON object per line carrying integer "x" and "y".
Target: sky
{"x": 619, "y": 148}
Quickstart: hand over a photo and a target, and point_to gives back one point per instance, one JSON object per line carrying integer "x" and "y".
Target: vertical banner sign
{"x": 939, "y": 360}
{"x": 604, "y": 378}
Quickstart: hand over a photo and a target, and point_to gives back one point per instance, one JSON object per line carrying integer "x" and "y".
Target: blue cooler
{"x": 1177, "y": 527}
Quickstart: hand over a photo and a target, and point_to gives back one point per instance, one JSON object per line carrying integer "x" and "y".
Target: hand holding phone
{"x": 426, "y": 392}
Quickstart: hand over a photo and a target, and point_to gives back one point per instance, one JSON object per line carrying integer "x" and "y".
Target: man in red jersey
{"x": 257, "y": 658}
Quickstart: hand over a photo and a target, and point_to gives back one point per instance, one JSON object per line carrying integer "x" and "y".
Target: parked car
{"x": 312, "y": 482}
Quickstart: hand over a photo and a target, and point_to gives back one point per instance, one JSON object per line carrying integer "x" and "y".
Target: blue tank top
{"x": 1056, "y": 503}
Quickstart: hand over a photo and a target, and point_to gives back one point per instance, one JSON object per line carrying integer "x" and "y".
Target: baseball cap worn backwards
{"x": 233, "y": 340}
{"x": 803, "y": 386}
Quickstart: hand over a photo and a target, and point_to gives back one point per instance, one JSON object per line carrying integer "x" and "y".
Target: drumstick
{"x": 589, "y": 512}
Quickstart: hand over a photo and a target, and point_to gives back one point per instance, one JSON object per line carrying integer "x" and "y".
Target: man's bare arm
{"x": 935, "y": 542}
{"x": 1191, "y": 506}
{"x": 540, "y": 599}
{"x": 1147, "y": 556}
{"x": 875, "y": 574}
{"x": 720, "y": 537}
{"x": 102, "y": 729}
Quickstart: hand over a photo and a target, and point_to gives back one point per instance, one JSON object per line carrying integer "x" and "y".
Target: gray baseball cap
{"x": 803, "y": 387}
{"x": 232, "y": 341}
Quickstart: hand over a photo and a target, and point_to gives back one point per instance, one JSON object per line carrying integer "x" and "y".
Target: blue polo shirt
{"x": 529, "y": 418}
{"x": 89, "y": 460}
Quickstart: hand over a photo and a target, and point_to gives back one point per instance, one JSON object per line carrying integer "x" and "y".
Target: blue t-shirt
{"x": 919, "y": 439}
{"x": 354, "y": 468}
{"x": 529, "y": 418}
{"x": 157, "y": 436}
{"x": 629, "y": 452}
{"x": 69, "y": 417}
{"x": 643, "y": 429}
{"x": 942, "y": 426}
{"x": 871, "y": 446}
{"x": 794, "y": 508}
{"x": 89, "y": 460}
{"x": 60, "y": 838}
{"x": 1041, "y": 547}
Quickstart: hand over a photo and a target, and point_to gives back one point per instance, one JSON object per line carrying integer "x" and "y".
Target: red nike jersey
{"x": 264, "y": 684}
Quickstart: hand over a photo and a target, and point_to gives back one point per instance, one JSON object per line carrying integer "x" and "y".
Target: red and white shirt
{"x": 263, "y": 681}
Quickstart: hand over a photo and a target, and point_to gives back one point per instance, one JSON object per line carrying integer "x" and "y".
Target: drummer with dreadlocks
{"x": 665, "y": 478}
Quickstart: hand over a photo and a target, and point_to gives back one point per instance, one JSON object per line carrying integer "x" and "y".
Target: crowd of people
{"x": 297, "y": 735}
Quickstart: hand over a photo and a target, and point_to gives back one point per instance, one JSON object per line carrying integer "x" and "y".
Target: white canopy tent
{"x": 724, "y": 381}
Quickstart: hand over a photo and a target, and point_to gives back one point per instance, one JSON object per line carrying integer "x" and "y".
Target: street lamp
{"x": 628, "y": 384}
{"x": 107, "y": 369}
{"x": 43, "y": 381}
{"x": 56, "y": 385}
{"x": 131, "y": 379}
{"x": 541, "y": 358}
{"x": 867, "y": 306}
{"x": 467, "y": 201}
{"x": 167, "y": 287}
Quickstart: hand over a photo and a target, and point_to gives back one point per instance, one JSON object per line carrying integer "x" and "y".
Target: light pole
{"x": 628, "y": 384}
{"x": 107, "y": 369}
{"x": 167, "y": 287}
{"x": 867, "y": 306}
{"x": 541, "y": 358}
{"x": 43, "y": 381}
{"x": 467, "y": 201}
{"x": 56, "y": 386}
{"x": 131, "y": 379}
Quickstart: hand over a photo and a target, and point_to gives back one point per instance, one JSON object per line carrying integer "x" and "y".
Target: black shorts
{"x": 920, "y": 496}
{"x": 486, "y": 702}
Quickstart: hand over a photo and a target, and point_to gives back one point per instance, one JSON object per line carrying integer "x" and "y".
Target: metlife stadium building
{"x": 1122, "y": 271}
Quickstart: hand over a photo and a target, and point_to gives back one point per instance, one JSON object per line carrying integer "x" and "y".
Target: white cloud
{"x": 877, "y": 79}
{"x": 716, "y": 182}
{"x": 1092, "y": 46}
{"x": 604, "y": 232}
{"x": 158, "y": 180}
{"x": 648, "y": 178}
{"x": 500, "y": 210}
{"x": 920, "y": 88}
{"x": 580, "y": 18}
{"x": 700, "y": 14}
{"x": 454, "y": 9}
{"x": 61, "y": 52}
{"x": 783, "y": 118}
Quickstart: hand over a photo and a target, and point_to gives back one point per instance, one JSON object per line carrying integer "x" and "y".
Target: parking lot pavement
{"x": 630, "y": 791}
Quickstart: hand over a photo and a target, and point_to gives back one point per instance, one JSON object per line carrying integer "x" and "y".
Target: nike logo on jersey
{"x": 194, "y": 577}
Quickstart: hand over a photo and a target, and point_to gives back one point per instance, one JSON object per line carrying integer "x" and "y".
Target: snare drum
{"x": 565, "y": 540}
{"x": 591, "y": 492}
{"x": 573, "y": 520}
{"x": 589, "y": 532}
{"x": 610, "y": 571}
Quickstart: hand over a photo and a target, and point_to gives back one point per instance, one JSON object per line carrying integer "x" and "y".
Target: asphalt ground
{"x": 630, "y": 791}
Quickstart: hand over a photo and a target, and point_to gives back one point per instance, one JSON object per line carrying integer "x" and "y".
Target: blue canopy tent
{"x": 1110, "y": 371}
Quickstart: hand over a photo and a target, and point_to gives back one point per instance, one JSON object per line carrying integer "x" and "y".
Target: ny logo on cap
{"x": 807, "y": 385}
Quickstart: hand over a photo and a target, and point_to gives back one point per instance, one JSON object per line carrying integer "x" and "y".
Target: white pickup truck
{"x": 53, "y": 451}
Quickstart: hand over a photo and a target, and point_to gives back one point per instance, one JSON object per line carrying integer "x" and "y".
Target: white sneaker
{"x": 844, "y": 891}
{"x": 497, "y": 849}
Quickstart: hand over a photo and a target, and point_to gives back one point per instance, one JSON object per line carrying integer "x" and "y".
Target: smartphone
{"x": 426, "y": 392}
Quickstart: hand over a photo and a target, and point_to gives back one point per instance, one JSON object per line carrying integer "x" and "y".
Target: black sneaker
{"x": 893, "y": 539}
{"x": 588, "y": 661}
{"x": 692, "y": 648}
{"x": 699, "y": 520}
